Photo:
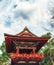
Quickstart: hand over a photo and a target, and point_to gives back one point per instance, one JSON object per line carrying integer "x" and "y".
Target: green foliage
{"x": 48, "y": 52}
{"x": 46, "y": 35}
{"x": 4, "y": 56}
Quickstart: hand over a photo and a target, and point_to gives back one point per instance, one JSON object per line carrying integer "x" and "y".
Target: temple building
{"x": 23, "y": 47}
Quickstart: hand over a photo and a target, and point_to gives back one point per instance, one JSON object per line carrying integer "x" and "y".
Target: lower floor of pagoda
{"x": 26, "y": 56}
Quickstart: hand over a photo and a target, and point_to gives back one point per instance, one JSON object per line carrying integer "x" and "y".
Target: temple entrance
{"x": 25, "y": 51}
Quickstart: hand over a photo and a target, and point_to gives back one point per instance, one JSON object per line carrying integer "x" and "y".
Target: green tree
{"x": 46, "y": 35}
{"x": 4, "y": 57}
{"x": 48, "y": 52}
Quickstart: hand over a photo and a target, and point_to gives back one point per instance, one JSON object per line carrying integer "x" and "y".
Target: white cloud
{"x": 0, "y": 52}
{"x": 1, "y": 38}
{"x": 28, "y": 14}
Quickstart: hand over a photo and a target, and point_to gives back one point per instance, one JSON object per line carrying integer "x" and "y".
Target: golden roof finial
{"x": 26, "y": 29}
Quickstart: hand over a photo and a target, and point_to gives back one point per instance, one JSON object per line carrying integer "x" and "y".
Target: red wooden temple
{"x": 23, "y": 47}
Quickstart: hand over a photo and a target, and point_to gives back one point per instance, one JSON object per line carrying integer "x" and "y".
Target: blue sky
{"x": 16, "y": 14}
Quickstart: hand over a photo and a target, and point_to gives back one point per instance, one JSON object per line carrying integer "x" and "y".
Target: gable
{"x": 26, "y": 33}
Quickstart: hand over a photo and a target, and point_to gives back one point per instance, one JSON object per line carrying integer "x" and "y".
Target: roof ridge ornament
{"x": 25, "y": 28}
